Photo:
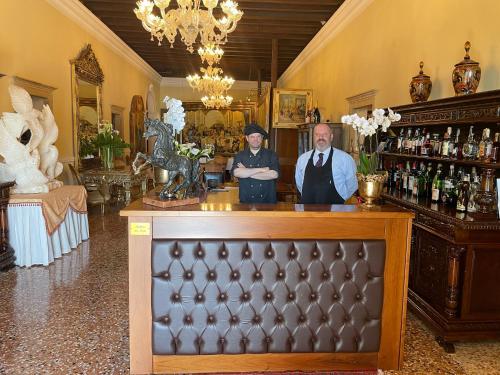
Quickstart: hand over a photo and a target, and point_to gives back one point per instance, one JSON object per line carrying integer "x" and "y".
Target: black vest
{"x": 318, "y": 186}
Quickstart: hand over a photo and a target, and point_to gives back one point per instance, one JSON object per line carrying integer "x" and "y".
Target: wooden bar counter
{"x": 227, "y": 287}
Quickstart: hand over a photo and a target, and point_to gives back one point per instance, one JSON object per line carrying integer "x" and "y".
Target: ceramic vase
{"x": 466, "y": 74}
{"x": 420, "y": 86}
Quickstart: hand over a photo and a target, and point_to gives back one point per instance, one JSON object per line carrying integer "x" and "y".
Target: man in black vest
{"x": 257, "y": 168}
{"x": 325, "y": 175}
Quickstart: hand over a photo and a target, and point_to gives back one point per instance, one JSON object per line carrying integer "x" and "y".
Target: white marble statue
{"x": 19, "y": 163}
{"x": 48, "y": 152}
{"x": 23, "y": 105}
{"x": 151, "y": 105}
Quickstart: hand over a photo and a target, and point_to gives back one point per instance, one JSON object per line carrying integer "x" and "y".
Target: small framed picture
{"x": 290, "y": 107}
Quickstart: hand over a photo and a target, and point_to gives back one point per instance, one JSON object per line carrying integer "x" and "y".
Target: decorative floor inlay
{"x": 72, "y": 317}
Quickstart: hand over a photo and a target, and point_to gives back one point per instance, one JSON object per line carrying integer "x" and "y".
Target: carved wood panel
{"x": 431, "y": 269}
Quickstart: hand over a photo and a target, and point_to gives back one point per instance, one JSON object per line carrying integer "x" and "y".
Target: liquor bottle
{"x": 407, "y": 142}
{"x": 426, "y": 149}
{"x": 415, "y": 146}
{"x": 481, "y": 149}
{"x": 488, "y": 145}
{"x": 398, "y": 178}
{"x": 470, "y": 147}
{"x": 495, "y": 151}
{"x": 474, "y": 187}
{"x": 404, "y": 176}
{"x": 428, "y": 180}
{"x": 436, "y": 145}
{"x": 449, "y": 195}
{"x": 454, "y": 145}
{"x": 445, "y": 147}
{"x": 463, "y": 194}
{"x": 308, "y": 116}
{"x": 458, "y": 149}
{"x": 411, "y": 177}
{"x": 437, "y": 184}
{"x": 401, "y": 138}
{"x": 419, "y": 183}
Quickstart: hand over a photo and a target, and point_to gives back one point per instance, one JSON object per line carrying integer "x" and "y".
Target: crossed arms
{"x": 258, "y": 173}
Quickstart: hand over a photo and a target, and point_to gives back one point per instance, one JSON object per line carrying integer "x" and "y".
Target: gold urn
{"x": 370, "y": 187}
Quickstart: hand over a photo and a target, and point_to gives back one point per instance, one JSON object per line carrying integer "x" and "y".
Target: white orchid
{"x": 175, "y": 114}
{"x": 369, "y": 127}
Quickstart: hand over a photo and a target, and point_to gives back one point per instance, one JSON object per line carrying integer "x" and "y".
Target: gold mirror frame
{"x": 85, "y": 67}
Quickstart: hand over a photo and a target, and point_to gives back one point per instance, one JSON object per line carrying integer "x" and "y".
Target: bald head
{"x": 322, "y": 137}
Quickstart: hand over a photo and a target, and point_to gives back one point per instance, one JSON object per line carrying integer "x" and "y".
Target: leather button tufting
{"x": 303, "y": 275}
{"x": 292, "y": 254}
{"x": 234, "y": 320}
{"x": 268, "y": 339}
{"x": 176, "y": 297}
{"x": 166, "y": 275}
{"x": 360, "y": 254}
{"x": 166, "y": 320}
{"x": 235, "y": 275}
{"x": 210, "y": 319}
{"x": 348, "y": 275}
{"x": 211, "y": 275}
{"x": 200, "y": 254}
{"x": 222, "y": 340}
{"x": 244, "y": 341}
{"x": 280, "y": 275}
{"x": 188, "y": 275}
{"x": 358, "y": 296}
{"x": 199, "y": 298}
{"x": 256, "y": 319}
{"x": 188, "y": 320}
{"x": 257, "y": 275}
{"x": 222, "y": 297}
{"x": 279, "y": 319}
{"x": 268, "y": 296}
{"x": 325, "y": 275}
{"x": 176, "y": 253}
{"x": 223, "y": 254}
{"x": 335, "y": 297}
{"x": 302, "y": 318}
{"x": 315, "y": 254}
{"x": 324, "y": 318}
{"x": 247, "y": 253}
{"x": 313, "y": 296}
{"x": 347, "y": 318}
{"x": 337, "y": 254}
{"x": 245, "y": 297}
{"x": 269, "y": 254}
{"x": 291, "y": 296}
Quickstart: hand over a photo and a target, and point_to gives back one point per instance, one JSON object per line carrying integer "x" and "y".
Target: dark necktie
{"x": 319, "y": 163}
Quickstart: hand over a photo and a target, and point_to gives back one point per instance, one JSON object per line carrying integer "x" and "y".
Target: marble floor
{"x": 72, "y": 317}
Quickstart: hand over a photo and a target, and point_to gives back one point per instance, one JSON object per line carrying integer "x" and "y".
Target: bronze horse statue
{"x": 164, "y": 156}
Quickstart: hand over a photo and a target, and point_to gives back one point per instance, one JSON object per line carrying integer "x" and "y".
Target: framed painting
{"x": 290, "y": 107}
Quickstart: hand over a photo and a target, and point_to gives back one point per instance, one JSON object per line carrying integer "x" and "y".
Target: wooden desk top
{"x": 225, "y": 203}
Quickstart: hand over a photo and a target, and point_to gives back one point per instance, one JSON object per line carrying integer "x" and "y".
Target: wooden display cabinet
{"x": 454, "y": 278}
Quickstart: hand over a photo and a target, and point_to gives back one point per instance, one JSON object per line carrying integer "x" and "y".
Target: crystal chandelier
{"x": 217, "y": 101}
{"x": 190, "y": 20}
{"x": 211, "y": 54}
{"x": 211, "y": 82}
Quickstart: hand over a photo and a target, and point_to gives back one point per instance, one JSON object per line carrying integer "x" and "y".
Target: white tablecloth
{"x": 29, "y": 238}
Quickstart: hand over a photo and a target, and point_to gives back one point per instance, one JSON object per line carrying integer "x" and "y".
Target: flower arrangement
{"x": 368, "y": 162}
{"x": 192, "y": 152}
{"x": 111, "y": 139}
{"x": 175, "y": 114}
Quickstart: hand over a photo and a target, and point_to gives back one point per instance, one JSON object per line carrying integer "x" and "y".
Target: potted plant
{"x": 110, "y": 144}
{"x": 370, "y": 179}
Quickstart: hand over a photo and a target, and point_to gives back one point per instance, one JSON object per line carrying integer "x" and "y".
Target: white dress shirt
{"x": 343, "y": 170}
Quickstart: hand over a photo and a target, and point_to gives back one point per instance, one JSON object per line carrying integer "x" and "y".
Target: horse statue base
{"x": 153, "y": 199}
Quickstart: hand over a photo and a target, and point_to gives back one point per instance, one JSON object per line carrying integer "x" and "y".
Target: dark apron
{"x": 318, "y": 186}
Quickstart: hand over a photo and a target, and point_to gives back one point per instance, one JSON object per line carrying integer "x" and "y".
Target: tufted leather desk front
{"x": 229, "y": 287}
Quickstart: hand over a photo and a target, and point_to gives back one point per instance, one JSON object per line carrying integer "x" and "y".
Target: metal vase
{"x": 370, "y": 187}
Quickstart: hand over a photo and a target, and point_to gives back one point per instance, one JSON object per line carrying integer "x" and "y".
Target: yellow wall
{"x": 382, "y": 47}
{"x": 40, "y": 51}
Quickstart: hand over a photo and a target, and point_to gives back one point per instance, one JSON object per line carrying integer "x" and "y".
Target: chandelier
{"x": 211, "y": 82}
{"x": 190, "y": 20}
{"x": 217, "y": 101}
{"x": 211, "y": 54}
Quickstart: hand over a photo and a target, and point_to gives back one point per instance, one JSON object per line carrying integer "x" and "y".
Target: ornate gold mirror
{"x": 86, "y": 88}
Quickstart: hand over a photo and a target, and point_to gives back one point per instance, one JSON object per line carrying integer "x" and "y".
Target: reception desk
{"x": 227, "y": 287}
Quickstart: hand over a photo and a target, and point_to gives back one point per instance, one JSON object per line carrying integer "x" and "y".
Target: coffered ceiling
{"x": 292, "y": 22}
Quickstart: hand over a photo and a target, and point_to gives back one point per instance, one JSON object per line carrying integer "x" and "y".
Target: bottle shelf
{"x": 471, "y": 163}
